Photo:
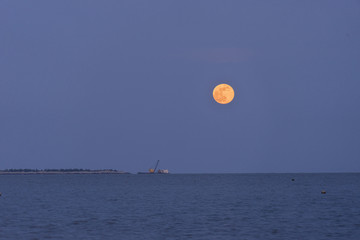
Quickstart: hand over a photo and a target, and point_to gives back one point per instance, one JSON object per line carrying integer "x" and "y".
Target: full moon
{"x": 223, "y": 93}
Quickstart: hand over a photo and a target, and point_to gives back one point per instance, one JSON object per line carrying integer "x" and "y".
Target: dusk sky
{"x": 121, "y": 84}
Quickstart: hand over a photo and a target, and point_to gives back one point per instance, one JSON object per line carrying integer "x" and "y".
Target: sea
{"x": 180, "y": 206}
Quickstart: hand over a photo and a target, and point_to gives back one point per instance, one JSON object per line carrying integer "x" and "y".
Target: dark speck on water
{"x": 180, "y": 206}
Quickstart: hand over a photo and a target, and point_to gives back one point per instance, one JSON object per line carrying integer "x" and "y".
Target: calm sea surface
{"x": 180, "y": 206}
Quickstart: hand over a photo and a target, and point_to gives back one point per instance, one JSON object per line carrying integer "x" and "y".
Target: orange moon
{"x": 223, "y": 93}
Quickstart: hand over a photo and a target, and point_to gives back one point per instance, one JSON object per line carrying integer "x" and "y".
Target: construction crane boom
{"x": 157, "y": 163}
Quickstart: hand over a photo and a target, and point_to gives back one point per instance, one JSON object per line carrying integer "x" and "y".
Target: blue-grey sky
{"x": 120, "y": 84}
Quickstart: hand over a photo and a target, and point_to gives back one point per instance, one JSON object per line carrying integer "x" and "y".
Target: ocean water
{"x": 180, "y": 206}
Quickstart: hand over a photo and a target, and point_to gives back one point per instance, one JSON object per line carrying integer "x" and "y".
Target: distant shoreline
{"x": 58, "y": 171}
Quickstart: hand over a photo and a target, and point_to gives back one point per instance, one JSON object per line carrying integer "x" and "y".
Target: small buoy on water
{"x": 0, "y": 194}
{"x": 323, "y": 192}
{"x": 292, "y": 179}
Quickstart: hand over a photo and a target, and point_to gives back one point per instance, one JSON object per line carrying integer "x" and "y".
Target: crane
{"x": 157, "y": 163}
{"x": 153, "y": 170}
